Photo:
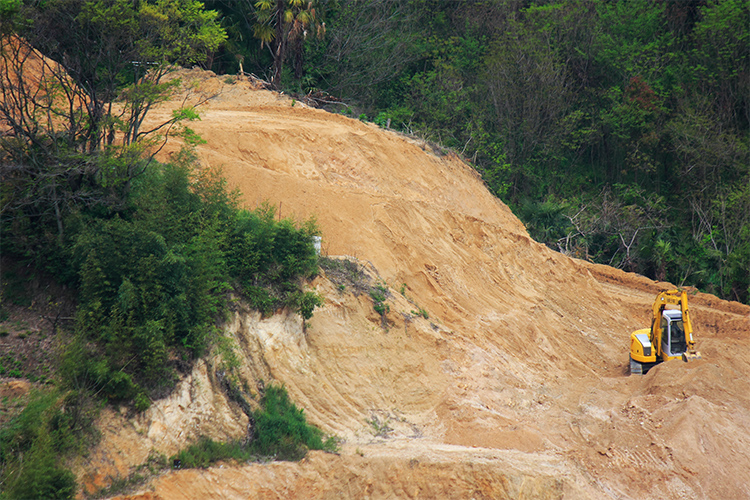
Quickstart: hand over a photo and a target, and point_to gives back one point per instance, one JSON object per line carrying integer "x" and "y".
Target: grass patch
{"x": 421, "y": 312}
{"x": 206, "y": 452}
{"x": 12, "y": 367}
{"x": 282, "y": 431}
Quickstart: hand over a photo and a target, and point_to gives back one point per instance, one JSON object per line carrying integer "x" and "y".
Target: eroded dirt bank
{"x": 516, "y": 385}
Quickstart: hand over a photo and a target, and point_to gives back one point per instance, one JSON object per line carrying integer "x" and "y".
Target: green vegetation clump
{"x": 52, "y": 425}
{"x": 268, "y": 257}
{"x": 154, "y": 278}
{"x": 281, "y": 432}
{"x": 206, "y": 452}
{"x": 379, "y": 294}
{"x": 378, "y": 300}
{"x": 11, "y": 366}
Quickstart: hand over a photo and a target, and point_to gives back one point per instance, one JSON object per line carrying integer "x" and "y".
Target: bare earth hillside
{"x": 516, "y": 386}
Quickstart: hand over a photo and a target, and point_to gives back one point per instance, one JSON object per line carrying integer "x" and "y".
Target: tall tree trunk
{"x": 280, "y": 45}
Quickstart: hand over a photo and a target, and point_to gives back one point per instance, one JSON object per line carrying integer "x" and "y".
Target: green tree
{"x": 528, "y": 88}
{"x": 77, "y": 81}
{"x": 267, "y": 258}
{"x": 367, "y": 45}
{"x": 241, "y": 50}
{"x": 31, "y": 446}
{"x": 722, "y": 58}
{"x": 283, "y": 26}
{"x": 104, "y": 46}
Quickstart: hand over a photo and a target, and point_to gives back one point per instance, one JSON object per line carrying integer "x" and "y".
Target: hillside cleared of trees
{"x": 515, "y": 385}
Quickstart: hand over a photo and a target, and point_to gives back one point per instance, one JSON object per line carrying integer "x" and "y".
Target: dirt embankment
{"x": 516, "y": 384}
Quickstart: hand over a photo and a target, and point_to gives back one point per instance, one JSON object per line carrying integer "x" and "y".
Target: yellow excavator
{"x": 670, "y": 335}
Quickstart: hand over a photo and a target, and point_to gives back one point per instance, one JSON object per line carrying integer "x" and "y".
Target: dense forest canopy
{"x": 616, "y": 130}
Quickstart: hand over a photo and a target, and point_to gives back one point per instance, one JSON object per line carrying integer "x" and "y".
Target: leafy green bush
{"x": 545, "y": 221}
{"x": 269, "y": 258}
{"x": 305, "y": 302}
{"x": 379, "y": 294}
{"x": 281, "y": 431}
{"x": 33, "y": 444}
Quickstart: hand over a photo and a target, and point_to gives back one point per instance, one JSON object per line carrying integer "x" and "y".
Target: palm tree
{"x": 283, "y": 25}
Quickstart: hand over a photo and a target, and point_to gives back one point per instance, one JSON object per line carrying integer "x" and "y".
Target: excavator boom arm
{"x": 671, "y": 297}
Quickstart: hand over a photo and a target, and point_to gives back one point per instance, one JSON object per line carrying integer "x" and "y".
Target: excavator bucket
{"x": 691, "y": 356}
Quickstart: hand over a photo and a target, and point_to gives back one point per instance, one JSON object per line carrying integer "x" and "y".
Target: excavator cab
{"x": 673, "y": 339}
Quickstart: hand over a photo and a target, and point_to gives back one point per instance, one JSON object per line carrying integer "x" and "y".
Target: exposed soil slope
{"x": 515, "y": 387}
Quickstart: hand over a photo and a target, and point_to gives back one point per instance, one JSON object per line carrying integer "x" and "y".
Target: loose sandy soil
{"x": 517, "y": 384}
